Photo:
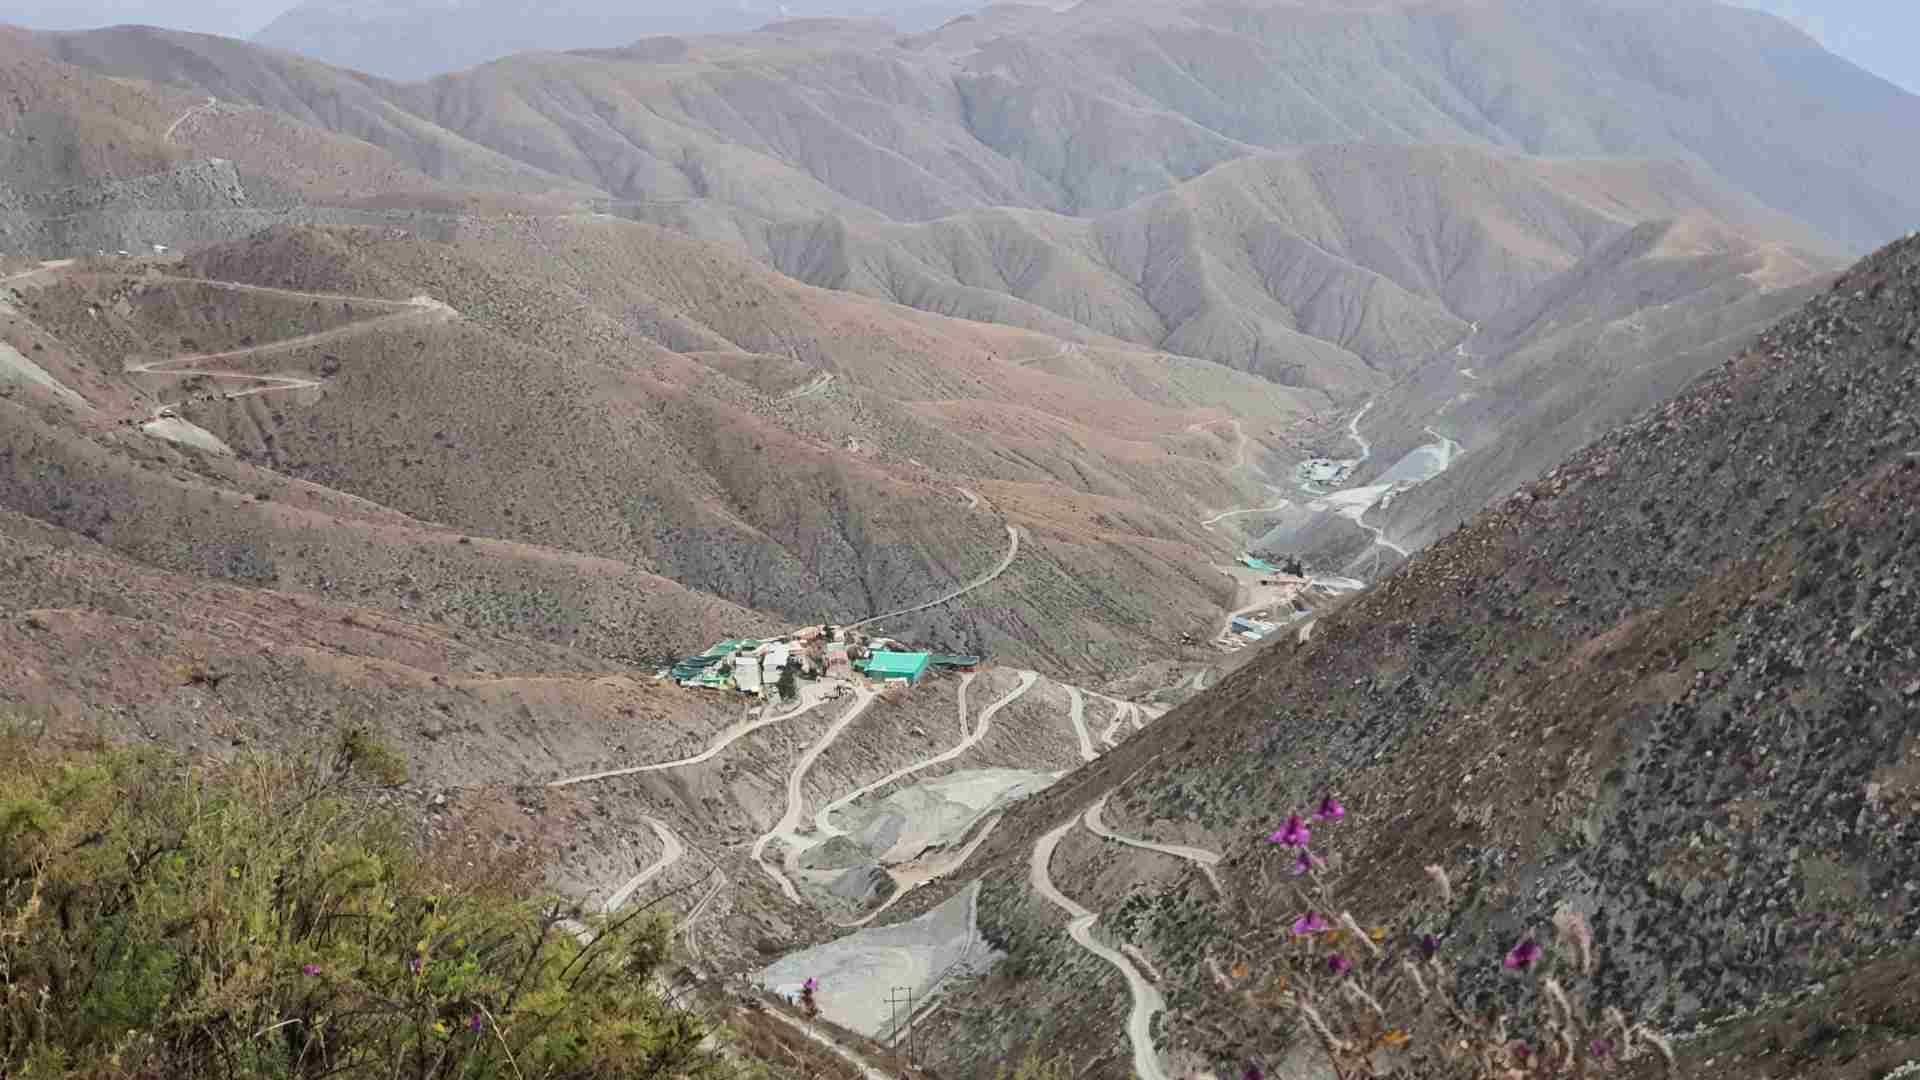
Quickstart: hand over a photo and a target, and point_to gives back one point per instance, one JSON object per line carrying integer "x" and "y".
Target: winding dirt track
{"x": 420, "y": 307}
{"x": 1013, "y": 550}
{"x": 808, "y": 702}
{"x": 45, "y": 266}
{"x": 823, "y": 821}
{"x": 685, "y": 925}
{"x": 1146, "y": 999}
{"x": 785, "y": 829}
{"x": 1204, "y": 859}
{"x": 671, "y": 852}
{"x": 911, "y": 876}
{"x": 1218, "y": 518}
{"x": 197, "y": 109}
{"x": 1111, "y": 736}
{"x": 1077, "y": 712}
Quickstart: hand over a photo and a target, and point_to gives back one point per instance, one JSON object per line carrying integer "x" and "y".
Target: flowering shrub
{"x": 264, "y": 918}
{"x": 1382, "y": 1002}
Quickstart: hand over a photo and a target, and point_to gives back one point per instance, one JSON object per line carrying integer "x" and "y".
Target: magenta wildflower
{"x": 1306, "y": 863}
{"x": 1429, "y": 946}
{"x": 311, "y": 970}
{"x": 1339, "y": 964}
{"x": 1253, "y": 1073}
{"x": 1309, "y": 924}
{"x": 1293, "y": 834}
{"x": 1601, "y": 1048}
{"x": 1523, "y": 955}
{"x": 810, "y": 985}
{"x": 477, "y": 1023}
{"x": 1330, "y": 810}
{"x": 415, "y": 966}
{"x": 1520, "y": 1051}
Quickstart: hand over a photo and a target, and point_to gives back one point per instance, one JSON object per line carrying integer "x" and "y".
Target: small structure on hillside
{"x": 762, "y": 667}
{"x": 907, "y": 667}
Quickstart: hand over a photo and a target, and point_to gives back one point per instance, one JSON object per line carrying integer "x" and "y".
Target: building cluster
{"x": 757, "y": 666}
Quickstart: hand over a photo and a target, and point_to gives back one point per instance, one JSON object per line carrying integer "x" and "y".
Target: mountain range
{"x": 1052, "y": 338}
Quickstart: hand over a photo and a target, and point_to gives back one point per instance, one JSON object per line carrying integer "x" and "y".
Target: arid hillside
{"x": 1671, "y": 686}
{"x": 1335, "y": 267}
{"x": 668, "y": 408}
{"x": 1092, "y": 109}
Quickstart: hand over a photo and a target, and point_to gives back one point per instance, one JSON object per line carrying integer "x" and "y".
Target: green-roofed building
{"x": 908, "y": 667}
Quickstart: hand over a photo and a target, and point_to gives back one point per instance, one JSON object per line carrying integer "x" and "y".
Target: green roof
{"x": 898, "y": 665}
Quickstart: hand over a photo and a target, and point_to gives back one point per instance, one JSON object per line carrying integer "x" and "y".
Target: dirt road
{"x": 786, "y": 829}
{"x": 823, "y": 821}
{"x": 1077, "y": 712}
{"x": 1013, "y": 550}
{"x": 197, "y": 109}
{"x": 1111, "y": 736}
{"x": 190, "y": 366}
{"x": 671, "y": 852}
{"x": 1146, "y": 998}
{"x": 1204, "y": 859}
{"x": 812, "y": 696}
{"x": 910, "y": 876}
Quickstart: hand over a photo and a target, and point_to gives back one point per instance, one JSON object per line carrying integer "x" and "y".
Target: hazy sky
{"x": 1879, "y": 35}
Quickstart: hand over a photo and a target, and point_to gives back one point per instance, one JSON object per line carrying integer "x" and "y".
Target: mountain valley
{"x": 1470, "y": 411}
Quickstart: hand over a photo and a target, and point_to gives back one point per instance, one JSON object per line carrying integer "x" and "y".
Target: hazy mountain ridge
{"x": 1093, "y": 110}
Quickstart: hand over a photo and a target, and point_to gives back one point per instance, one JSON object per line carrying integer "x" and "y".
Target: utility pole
{"x": 895, "y": 999}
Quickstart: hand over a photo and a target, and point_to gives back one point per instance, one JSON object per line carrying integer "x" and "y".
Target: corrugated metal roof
{"x": 898, "y": 665}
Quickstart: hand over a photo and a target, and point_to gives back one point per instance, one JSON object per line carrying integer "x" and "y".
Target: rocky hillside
{"x": 1672, "y": 684}
{"x": 419, "y": 40}
{"x": 1095, "y": 108}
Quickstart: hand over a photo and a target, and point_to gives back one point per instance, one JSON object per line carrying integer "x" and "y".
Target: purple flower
{"x": 1523, "y": 955}
{"x": 1253, "y": 1073}
{"x": 1339, "y": 964}
{"x": 1520, "y": 1051}
{"x": 1601, "y": 1048}
{"x": 1429, "y": 946}
{"x": 1330, "y": 810}
{"x": 1294, "y": 834}
{"x": 415, "y": 966}
{"x": 311, "y": 971}
{"x": 1306, "y": 863}
{"x": 810, "y": 985}
{"x": 477, "y": 1023}
{"x": 1309, "y": 924}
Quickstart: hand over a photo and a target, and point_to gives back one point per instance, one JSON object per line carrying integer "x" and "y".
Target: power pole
{"x": 895, "y": 999}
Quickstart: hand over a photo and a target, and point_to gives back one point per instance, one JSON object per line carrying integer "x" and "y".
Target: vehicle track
{"x": 1111, "y": 736}
{"x": 671, "y": 852}
{"x": 686, "y": 924}
{"x": 1013, "y": 551}
{"x": 175, "y": 126}
{"x": 45, "y": 266}
{"x": 922, "y": 872}
{"x": 1204, "y": 859}
{"x": 823, "y": 821}
{"x": 174, "y": 366}
{"x": 1146, "y": 998}
{"x": 727, "y": 738}
{"x": 784, "y": 829}
{"x": 1077, "y": 712}
{"x": 1218, "y": 518}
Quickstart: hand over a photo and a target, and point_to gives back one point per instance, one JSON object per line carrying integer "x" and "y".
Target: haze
{"x": 1875, "y": 34}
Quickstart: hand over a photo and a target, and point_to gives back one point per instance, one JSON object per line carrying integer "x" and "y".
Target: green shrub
{"x": 264, "y": 918}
